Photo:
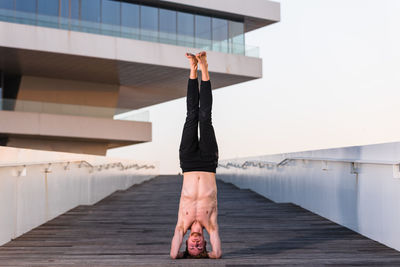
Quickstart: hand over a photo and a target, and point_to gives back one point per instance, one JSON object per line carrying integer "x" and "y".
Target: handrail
{"x": 263, "y": 164}
{"x": 80, "y": 164}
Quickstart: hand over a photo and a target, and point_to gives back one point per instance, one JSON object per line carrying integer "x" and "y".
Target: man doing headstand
{"x": 198, "y": 160}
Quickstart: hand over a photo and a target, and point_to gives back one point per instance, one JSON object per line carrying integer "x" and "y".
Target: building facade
{"x": 68, "y": 66}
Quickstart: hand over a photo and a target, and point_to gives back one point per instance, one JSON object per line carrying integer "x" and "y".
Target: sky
{"x": 331, "y": 78}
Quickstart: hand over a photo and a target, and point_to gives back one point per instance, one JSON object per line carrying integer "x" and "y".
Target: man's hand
{"x": 177, "y": 242}
{"x": 214, "y": 255}
{"x": 216, "y": 244}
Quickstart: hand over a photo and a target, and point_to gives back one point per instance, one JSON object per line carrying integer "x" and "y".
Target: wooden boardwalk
{"x": 135, "y": 227}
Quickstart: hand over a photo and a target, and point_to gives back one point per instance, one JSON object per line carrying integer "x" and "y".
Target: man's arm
{"x": 180, "y": 232}
{"x": 214, "y": 237}
{"x": 177, "y": 242}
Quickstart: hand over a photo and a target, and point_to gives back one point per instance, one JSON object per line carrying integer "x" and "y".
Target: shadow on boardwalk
{"x": 135, "y": 227}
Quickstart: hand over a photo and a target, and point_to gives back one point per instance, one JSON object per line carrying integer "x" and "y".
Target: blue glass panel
{"x": 48, "y": 7}
{"x": 168, "y": 26}
{"x": 90, "y": 16}
{"x": 25, "y": 6}
{"x": 220, "y": 34}
{"x": 110, "y": 17}
{"x": 64, "y": 14}
{"x": 129, "y": 20}
{"x": 149, "y": 23}
{"x": 110, "y": 12}
{"x": 25, "y": 12}
{"x": 185, "y": 29}
{"x": 75, "y": 15}
{"x": 236, "y": 37}
{"x": 75, "y": 9}
{"x": 203, "y": 32}
{"x": 90, "y": 10}
{"x": 7, "y": 4}
{"x": 64, "y": 8}
{"x": 47, "y": 13}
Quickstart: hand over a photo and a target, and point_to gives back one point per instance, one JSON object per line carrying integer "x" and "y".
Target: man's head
{"x": 196, "y": 244}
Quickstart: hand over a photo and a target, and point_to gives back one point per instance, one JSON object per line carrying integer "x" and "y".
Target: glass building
{"x": 130, "y": 20}
{"x": 69, "y": 67}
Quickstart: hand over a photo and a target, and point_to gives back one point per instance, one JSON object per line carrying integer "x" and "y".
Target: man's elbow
{"x": 173, "y": 256}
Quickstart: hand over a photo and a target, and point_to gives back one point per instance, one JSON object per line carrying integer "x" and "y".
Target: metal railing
{"x": 354, "y": 164}
{"x": 21, "y": 168}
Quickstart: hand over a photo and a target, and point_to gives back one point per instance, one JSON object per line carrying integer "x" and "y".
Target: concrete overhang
{"x": 147, "y": 73}
{"x": 70, "y": 133}
{"x": 255, "y": 13}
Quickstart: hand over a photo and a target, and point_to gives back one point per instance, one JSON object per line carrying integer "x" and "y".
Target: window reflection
{"x": 90, "y": 10}
{"x": 203, "y": 32}
{"x": 110, "y": 17}
{"x": 185, "y": 29}
{"x": 129, "y": 20}
{"x": 25, "y": 6}
{"x": 168, "y": 26}
{"x": 47, "y": 7}
{"x": 7, "y": 4}
{"x": 64, "y": 8}
{"x": 220, "y": 34}
{"x": 149, "y": 23}
{"x": 47, "y": 13}
{"x": 236, "y": 37}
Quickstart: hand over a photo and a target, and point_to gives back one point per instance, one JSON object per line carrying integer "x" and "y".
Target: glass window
{"x": 185, "y": 29}
{"x": 110, "y": 17}
{"x": 148, "y": 23}
{"x": 75, "y": 9}
{"x": 110, "y": 12}
{"x": 64, "y": 8}
{"x": 75, "y": 15}
{"x": 47, "y": 13}
{"x": 48, "y": 7}
{"x": 25, "y": 6}
{"x": 168, "y": 26}
{"x": 129, "y": 20}
{"x": 90, "y": 16}
{"x": 236, "y": 37}
{"x": 90, "y": 10}
{"x": 7, "y": 4}
{"x": 27, "y": 10}
{"x": 220, "y": 34}
{"x": 203, "y": 32}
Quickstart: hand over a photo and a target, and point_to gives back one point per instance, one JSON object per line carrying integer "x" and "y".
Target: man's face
{"x": 196, "y": 243}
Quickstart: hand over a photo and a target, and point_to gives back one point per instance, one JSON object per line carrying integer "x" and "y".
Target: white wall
{"x": 367, "y": 201}
{"x": 30, "y": 195}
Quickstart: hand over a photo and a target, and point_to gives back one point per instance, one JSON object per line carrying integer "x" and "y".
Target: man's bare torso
{"x": 198, "y": 199}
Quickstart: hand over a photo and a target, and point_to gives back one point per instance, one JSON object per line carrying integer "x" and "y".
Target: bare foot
{"x": 202, "y": 59}
{"x": 193, "y": 60}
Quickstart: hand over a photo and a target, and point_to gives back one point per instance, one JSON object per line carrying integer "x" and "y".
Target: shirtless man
{"x": 198, "y": 160}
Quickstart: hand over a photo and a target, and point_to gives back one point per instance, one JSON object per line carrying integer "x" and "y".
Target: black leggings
{"x": 194, "y": 154}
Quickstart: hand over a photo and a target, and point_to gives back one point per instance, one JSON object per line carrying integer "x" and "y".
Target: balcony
{"x": 68, "y": 128}
{"x": 176, "y": 28}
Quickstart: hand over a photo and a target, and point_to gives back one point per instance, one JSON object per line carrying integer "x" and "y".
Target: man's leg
{"x": 189, "y": 141}
{"x": 208, "y": 143}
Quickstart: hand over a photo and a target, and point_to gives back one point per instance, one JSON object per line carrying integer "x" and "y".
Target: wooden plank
{"x": 135, "y": 227}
